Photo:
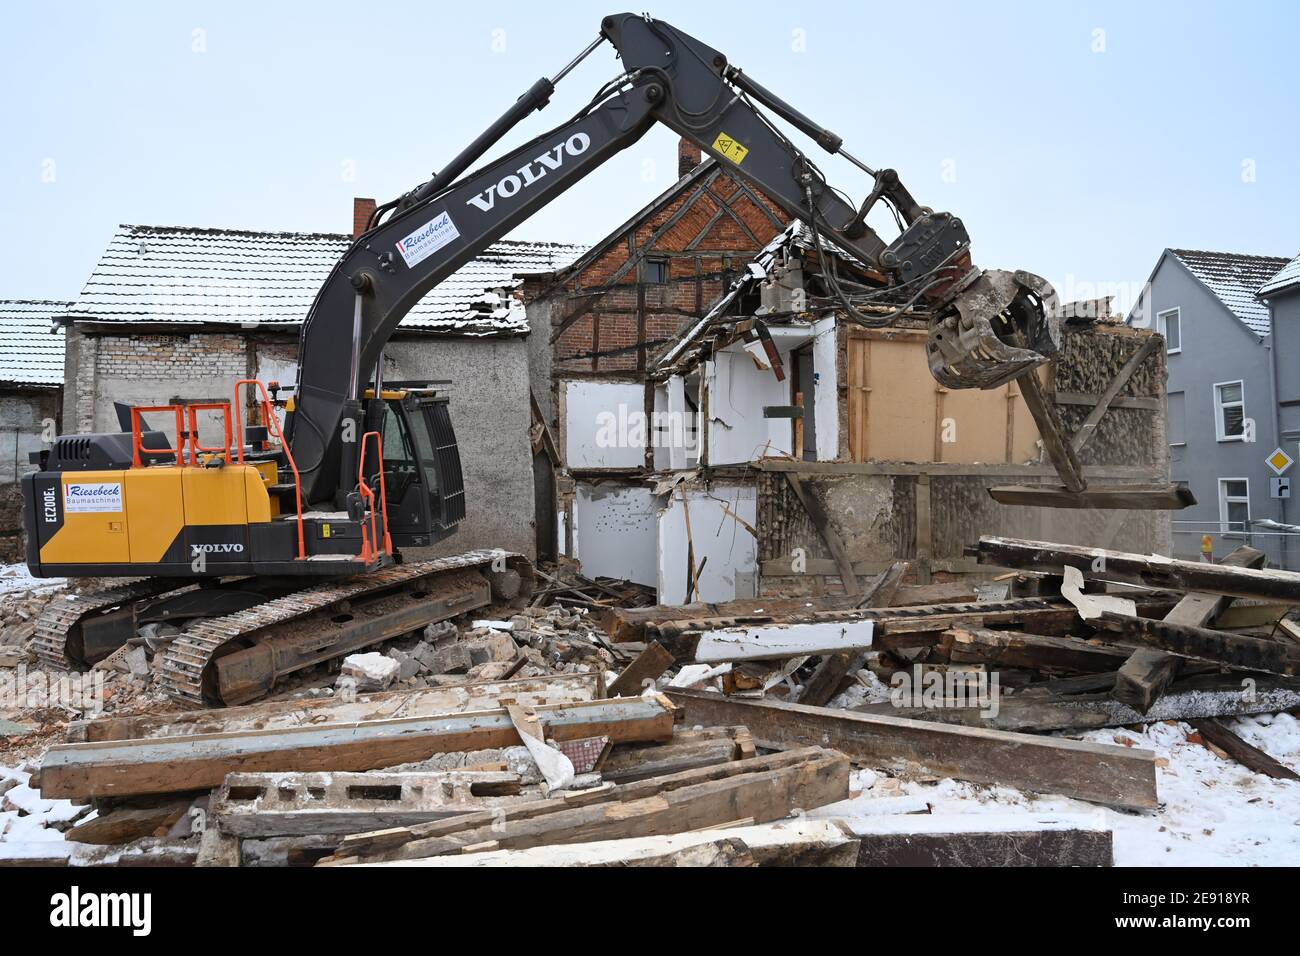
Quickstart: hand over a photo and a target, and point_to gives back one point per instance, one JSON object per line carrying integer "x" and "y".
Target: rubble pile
{"x": 718, "y": 734}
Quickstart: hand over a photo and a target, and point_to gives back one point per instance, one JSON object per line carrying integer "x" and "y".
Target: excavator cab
{"x": 422, "y": 481}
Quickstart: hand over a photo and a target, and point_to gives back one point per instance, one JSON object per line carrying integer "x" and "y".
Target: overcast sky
{"x": 1077, "y": 140}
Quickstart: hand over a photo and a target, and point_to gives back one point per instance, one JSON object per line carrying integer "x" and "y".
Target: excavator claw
{"x": 999, "y": 326}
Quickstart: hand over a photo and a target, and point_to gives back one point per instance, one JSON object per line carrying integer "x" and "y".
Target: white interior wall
{"x": 738, "y": 390}
{"x": 730, "y": 548}
{"x": 589, "y": 441}
{"x": 614, "y": 532}
{"x": 826, "y": 402}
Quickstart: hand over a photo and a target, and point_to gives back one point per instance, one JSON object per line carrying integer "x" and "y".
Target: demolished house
{"x": 792, "y": 449}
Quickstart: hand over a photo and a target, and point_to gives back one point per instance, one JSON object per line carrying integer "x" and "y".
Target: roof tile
{"x": 182, "y": 275}
{"x": 31, "y": 350}
{"x": 1235, "y": 278}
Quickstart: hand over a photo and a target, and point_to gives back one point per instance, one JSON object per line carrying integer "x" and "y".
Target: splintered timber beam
{"x": 977, "y": 645}
{"x": 1249, "y": 756}
{"x": 761, "y": 789}
{"x": 1152, "y": 571}
{"x": 800, "y": 842}
{"x": 642, "y": 672}
{"x": 1116, "y": 776}
{"x": 1221, "y": 647}
{"x": 201, "y": 761}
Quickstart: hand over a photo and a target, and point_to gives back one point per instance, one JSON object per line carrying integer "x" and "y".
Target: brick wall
{"x": 700, "y": 239}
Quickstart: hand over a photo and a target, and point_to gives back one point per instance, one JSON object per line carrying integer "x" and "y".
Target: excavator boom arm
{"x": 669, "y": 78}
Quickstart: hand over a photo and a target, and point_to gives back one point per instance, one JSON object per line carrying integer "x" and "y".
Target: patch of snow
{"x": 1213, "y": 812}
{"x": 16, "y": 577}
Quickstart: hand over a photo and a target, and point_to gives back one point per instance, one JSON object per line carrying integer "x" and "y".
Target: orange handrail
{"x": 137, "y": 446}
{"x": 273, "y": 426}
{"x": 195, "y": 447}
{"x": 369, "y": 494}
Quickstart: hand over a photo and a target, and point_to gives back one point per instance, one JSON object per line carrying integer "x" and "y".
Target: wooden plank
{"x": 1150, "y": 571}
{"x": 128, "y": 823}
{"x": 1166, "y": 497}
{"x": 1220, "y": 647}
{"x": 814, "y": 778}
{"x": 1034, "y": 651}
{"x": 642, "y": 672}
{"x": 801, "y": 842}
{"x": 1059, "y": 451}
{"x": 1252, "y": 615}
{"x": 562, "y": 689}
{"x": 1143, "y": 403}
{"x": 1248, "y": 755}
{"x": 369, "y": 844}
{"x": 200, "y": 761}
{"x": 1145, "y": 676}
{"x": 1027, "y": 715}
{"x": 1108, "y": 395}
{"x": 688, "y": 750}
{"x": 1117, "y": 776}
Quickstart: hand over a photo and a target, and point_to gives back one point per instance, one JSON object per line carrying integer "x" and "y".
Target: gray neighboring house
{"x": 179, "y": 314}
{"x": 31, "y": 386}
{"x": 1233, "y": 391}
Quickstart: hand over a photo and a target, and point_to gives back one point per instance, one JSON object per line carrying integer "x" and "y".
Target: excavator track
{"x": 309, "y": 626}
{"x": 58, "y": 640}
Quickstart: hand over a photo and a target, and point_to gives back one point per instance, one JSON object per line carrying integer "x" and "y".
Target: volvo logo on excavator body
{"x": 530, "y": 172}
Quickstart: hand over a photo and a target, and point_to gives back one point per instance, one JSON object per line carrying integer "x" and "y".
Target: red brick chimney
{"x": 688, "y": 156}
{"x": 362, "y": 210}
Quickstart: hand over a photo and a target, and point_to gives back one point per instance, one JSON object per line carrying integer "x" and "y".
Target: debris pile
{"x": 646, "y": 735}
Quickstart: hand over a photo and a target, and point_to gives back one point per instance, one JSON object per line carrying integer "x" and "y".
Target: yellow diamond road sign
{"x": 1279, "y": 461}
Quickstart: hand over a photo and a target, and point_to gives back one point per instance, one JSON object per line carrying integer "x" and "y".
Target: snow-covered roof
{"x": 1285, "y": 277}
{"x": 183, "y": 275}
{"x": 31, "y": 350}
{"x": 1235, "y": 278}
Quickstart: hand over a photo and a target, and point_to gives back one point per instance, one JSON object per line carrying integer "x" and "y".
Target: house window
{"x": 654, "y": 271}
{"x": 1169, "y": 323}
{"x": 1178, "y": 418}
{"x": 1229, "y": 411}
{"x": 1234, "y": 505}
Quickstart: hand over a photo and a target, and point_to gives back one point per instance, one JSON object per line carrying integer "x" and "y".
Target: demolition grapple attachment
{"x": 998, "y": 326}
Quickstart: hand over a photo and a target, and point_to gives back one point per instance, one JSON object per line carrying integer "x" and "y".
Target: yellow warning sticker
{"x": 730, "y": 148}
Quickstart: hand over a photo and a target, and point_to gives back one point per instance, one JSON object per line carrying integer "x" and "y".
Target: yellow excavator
{"x": 280, "y": 547}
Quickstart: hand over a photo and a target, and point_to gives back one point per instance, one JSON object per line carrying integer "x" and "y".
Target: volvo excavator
{"x": 281, "y": 547}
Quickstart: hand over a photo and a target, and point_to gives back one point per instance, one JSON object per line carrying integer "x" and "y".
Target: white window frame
{"x": 1162, "y": 325}
{"x": 1170, "y": 420}
{"x": 1223, "y": 506}
{"x": 1219, "y": 407}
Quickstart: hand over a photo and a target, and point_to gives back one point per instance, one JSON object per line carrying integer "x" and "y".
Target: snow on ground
{"x": 1213, "y": 812}
{"x": 27, "y": 816}
{"x": 16, "y": 577}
